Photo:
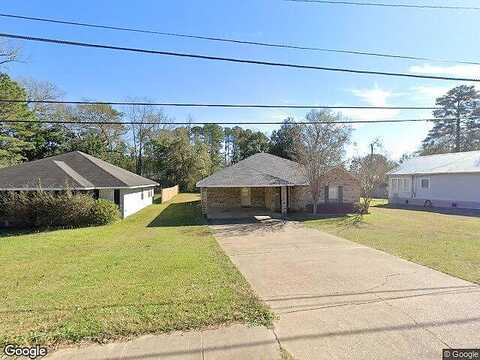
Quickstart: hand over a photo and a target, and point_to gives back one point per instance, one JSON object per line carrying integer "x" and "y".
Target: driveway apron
{"x": 336, "y": 299}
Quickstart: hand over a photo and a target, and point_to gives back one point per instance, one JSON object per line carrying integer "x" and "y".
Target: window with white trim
{"x": 333, "y": 192}
{"x": 395, "y": 185}
{"x": 425, "y": 183}
{"x": 400, "y": 185}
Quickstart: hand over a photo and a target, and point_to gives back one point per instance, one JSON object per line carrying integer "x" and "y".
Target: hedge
{"x": 42, "y": 209}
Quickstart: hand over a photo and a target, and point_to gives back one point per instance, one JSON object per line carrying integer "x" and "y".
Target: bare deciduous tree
{"x": 371, "y": 172}
{"x": 320, "y": 148}
{"x": 8, "y": 53}
{"x": 44, "y": 91}
{"x": 145, "y": 121}
{"x": 104, "y": 120}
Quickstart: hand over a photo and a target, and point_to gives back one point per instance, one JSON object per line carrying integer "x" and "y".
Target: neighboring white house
{"x": 82, "y": 173}
{"x": 445, "y": 180}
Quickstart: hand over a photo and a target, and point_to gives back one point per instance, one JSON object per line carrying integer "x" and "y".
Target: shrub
{"x": 362, "y": 207}
{"x": 104, "y": 212}
{"x": 43, "y": 209}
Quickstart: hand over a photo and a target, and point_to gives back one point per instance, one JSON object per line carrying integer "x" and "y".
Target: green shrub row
{"x": 42, "y": 209}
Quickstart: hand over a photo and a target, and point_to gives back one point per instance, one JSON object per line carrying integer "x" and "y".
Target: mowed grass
{"x": 157, "y": 271}
{"x": 445, "y": 242}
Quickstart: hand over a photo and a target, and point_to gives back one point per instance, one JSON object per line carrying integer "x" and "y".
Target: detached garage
{"x": 83, "y": 173}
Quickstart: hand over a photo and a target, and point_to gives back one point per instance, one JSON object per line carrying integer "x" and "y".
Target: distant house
{"x": 446, "y": 180}
{"x": 81, "y": 173}
{"x": 268, "y": 182}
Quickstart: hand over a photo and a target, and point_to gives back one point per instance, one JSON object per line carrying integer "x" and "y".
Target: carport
{"x": 246, "y": 201}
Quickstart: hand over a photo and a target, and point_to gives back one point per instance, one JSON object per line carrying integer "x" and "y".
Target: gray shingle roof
{"x": 77, "y": 170}
{"x": 258, "y": 170}
{"x": 463, "y": 162}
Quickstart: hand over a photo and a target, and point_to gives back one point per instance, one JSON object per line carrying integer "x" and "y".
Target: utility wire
{"x": 236, "y": 41}
{"x": 219, "y": 123}
{"x": 241, "y": 106}
{"x": 233, "y": 60}
{"x": 412, "y": 6}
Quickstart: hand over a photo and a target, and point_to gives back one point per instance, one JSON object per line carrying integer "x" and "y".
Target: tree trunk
{"x": 457, "y": 135}
{"x": 314, "y": 206}
{"x": 140, "y": 162}
{"x": 457, "y": 129}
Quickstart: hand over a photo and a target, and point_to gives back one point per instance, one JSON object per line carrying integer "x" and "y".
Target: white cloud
{"x": 372, "y": 97}
{"x": 398, "y": 148}
{"x": 471, "y": 71}
{"x": 429, "y": 93}
{"x": 369, "y": 114}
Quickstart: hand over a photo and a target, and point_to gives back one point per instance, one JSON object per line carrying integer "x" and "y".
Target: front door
{"x": 245, "y": 197}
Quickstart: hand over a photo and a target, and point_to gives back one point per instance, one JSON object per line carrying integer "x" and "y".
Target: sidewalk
{"x": 237, "y": 342}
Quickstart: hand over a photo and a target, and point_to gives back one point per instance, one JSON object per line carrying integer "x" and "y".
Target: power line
{"x": 240, "y": 106}
{"x": 219, "y": 123}
{"x": 235, "y": 41}
{"x": 411, "y": 6}
{"x": 233, "y": 60}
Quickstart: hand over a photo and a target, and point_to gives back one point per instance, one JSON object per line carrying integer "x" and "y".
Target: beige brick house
{"x": 267, "y": 182}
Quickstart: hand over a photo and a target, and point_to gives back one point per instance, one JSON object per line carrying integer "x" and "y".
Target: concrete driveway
{"x": 340, "y": 300}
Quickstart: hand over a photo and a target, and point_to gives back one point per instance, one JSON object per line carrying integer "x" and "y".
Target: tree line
{"x": 149, "y": 147}
{"x": 184, "y": 154}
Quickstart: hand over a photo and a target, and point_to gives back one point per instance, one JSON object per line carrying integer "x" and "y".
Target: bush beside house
{"x": 47, "y": 209}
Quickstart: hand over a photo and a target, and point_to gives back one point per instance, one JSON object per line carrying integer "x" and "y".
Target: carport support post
{"x": 283, "y": 197}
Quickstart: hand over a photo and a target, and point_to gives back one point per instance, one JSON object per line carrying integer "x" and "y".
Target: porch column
{"x": 204, "y": 200}
{"x": 283, "y": 197}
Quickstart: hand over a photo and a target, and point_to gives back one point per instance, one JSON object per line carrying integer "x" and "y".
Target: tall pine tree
{"x": 15, "y": 138}
{"x": 457, "y": 124}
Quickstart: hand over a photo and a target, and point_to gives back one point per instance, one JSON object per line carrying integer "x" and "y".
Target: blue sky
{"x": 111, "y": 75}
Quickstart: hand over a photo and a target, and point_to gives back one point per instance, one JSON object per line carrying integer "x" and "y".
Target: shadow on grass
{"x": 180, "y": 214}
{"x": 444, "y": 211}
{"x": 239, "y": 227}
{"x": 5, "y": 232}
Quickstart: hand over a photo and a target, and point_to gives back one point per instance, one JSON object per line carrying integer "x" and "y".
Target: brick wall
{"x": 269, "y": 197}
{"x": 230, "y": 198}
{"x": 301, "y": 197}
{"x": 272, "y": 198}
{"x": 204, "y": 200}
{"x": 257, "y": 196}
{"x": 220, "y": 198}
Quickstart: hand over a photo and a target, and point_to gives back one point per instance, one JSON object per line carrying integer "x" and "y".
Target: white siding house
{"x": 81, "y": 172}
{"x": 133, "y": 200}
{"x": 445, "y": 180}
{"x": 130, "y": 200}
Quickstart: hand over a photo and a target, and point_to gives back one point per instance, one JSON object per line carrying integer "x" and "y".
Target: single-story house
{"x": 265, "y": 181}
{"x": 445, "y": 180}
{"x": 80, "y": 172}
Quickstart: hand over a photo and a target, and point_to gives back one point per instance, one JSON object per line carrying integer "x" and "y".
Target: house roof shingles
{"x": 258, "y": 170}
{"x": 76, "y": 170}
{"x": 452, "y": 163}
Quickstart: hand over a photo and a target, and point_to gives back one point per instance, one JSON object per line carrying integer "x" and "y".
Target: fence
{"x": 169, "y": 193}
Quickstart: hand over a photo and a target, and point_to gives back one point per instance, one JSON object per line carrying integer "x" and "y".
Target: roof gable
{"x": 257, "y": 170}
{"x": 75, "y": 170}
{"x": 451, "y": 163}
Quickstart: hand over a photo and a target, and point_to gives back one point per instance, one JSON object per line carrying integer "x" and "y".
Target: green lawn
{"x": 448, "y": 243}
{"x": 157, "y": 271}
